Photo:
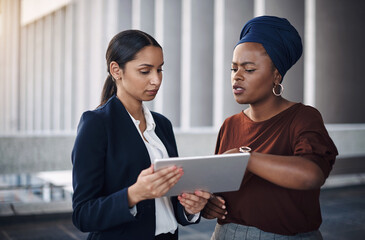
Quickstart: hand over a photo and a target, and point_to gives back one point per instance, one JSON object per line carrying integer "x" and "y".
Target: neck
{"x": 263, "y": 111}
{"x": 132, "y": 105}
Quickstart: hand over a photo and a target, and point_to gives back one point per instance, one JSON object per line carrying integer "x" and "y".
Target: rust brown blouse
{"x": 298, "y": 130}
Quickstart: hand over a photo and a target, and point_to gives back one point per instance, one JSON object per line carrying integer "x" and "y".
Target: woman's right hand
{"x": 152, "y": 184}
{"x": 215, "y": 208}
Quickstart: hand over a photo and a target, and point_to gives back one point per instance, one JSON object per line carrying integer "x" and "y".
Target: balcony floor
{"x": 343, "y": 212}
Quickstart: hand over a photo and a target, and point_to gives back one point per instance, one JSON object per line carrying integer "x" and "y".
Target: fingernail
{"x": 223, "y": 207}
{"x": 224, "y": 217}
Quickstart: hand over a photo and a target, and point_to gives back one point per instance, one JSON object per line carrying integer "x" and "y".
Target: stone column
{"x": 97, "y": 48}
{"x": 197, "y": 64}
{"x": 9, "y": 62}
{"x": 69, "y": 69}
{"x": 168, "y": 34}
{"x": 236, "y": 14}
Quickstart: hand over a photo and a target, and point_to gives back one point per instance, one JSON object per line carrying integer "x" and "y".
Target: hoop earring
{"x": 281, "y": 90}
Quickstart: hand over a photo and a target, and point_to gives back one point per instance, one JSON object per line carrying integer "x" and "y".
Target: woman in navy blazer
{"x": 115, "y": 188}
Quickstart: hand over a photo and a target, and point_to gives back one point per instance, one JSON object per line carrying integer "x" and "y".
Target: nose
{"x": 236, "y": 76}
{"x": 156, "y": 78}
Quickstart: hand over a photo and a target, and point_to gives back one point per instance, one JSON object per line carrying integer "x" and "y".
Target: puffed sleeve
{"x": 310, "y": 139}
{"x": 219, "y": 148}
{"x": 93, "y": 209}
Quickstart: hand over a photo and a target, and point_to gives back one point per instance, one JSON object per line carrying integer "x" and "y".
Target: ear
{"x": 115, "y": 70}
{"x": 277, "y": 77}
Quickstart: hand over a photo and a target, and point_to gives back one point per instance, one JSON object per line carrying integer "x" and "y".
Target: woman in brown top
{"x": 292, "y": 153}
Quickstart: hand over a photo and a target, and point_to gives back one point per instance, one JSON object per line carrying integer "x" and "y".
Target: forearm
{"x": 102, "y": 213}
{"x": 287, "y": 171}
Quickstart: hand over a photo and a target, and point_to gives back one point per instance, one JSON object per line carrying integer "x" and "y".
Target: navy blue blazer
{"x": 107, "y": 158}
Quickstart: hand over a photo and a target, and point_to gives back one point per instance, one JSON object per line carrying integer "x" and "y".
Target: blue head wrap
{"x": 279, "y": 38}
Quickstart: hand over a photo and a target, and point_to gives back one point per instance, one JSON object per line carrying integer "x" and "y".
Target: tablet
{"x": 215, "y": 173}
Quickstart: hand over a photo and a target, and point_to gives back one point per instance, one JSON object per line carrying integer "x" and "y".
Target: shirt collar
{"x": 150, "y": 122}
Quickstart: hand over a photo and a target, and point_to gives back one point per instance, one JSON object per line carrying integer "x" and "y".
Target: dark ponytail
{"x": 109, "y": 89}
{"x": 123, "y": 48}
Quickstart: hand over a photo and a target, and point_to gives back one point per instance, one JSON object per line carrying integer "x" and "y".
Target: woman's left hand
{"x": 194, "y": 203}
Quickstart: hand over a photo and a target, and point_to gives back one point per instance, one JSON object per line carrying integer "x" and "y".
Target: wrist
{"x": 252, "y": 162}
{"x": 186, "y": 212}
{"x": 132, "y": 196}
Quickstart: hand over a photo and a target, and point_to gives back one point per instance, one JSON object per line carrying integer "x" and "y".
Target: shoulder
{"x": 307, "y": 119}
{"x": 97, "y": 117}
{"x": 306, "y": 109}
{"x": 307, "y": 114}
{"x": 102, "y": 112}
{"x": 91, "y": 121}
{"x": 107, "y": 107}
{"x": 93, "y": 116}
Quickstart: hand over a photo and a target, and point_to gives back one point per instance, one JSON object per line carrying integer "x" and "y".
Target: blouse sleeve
{"x": 218, "y": 145}
{"x": 310, "y": 139}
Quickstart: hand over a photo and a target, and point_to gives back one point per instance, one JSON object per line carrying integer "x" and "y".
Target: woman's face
{"x": 141, "y": 78}
{"x": 252, "y": 75}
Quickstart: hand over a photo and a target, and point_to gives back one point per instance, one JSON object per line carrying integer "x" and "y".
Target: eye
{"x": 234, "y": 69}
{"x": 145, "y": 72}
{"x": 250, "y": 70}
{"x": 159, "y": 70}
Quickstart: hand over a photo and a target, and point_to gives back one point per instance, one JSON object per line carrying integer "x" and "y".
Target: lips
{"x": 238, "y": 89}
{"x": 152, "y": 91}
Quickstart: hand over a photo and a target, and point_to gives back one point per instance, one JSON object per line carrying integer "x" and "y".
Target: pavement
{"x": 343, "y": 211}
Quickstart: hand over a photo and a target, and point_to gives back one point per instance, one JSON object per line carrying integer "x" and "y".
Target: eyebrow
{"x": 149, "y": 65}
{"x": 243, "y": 64}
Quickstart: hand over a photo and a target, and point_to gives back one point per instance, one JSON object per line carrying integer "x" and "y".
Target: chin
{"x": 147, "y": 99}
{"x": 241, "y": 101}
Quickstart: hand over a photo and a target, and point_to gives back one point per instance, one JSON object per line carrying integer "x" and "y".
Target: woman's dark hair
{"x": 123, "y": 48}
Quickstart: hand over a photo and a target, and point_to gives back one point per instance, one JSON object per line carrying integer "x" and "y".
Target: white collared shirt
{"x": 165, "y": 218}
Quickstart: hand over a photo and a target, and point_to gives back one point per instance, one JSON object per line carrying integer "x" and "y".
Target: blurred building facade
{"x": 52, "y": 68}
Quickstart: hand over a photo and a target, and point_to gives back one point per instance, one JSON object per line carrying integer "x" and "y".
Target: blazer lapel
{"x": 134, "y": 140}
{"x": 165, "y": 139}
